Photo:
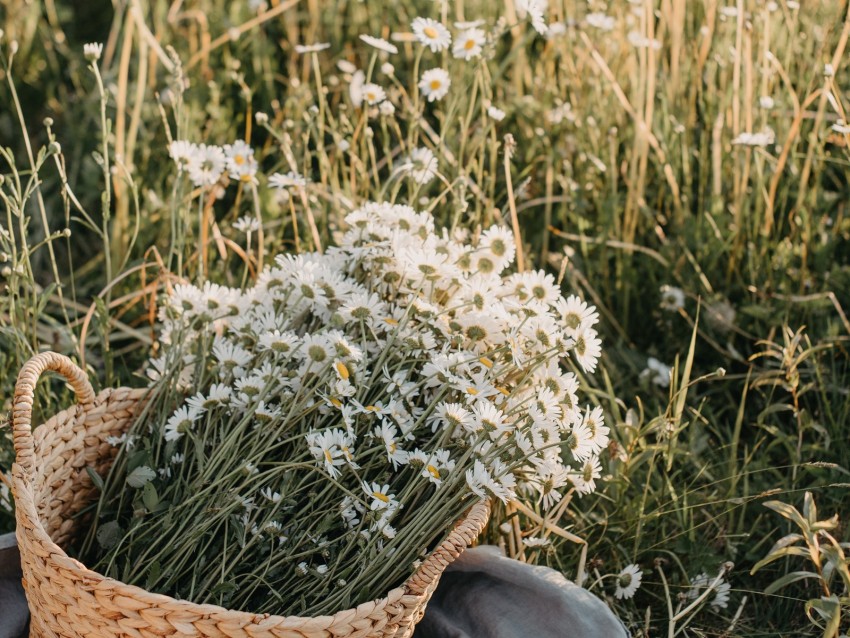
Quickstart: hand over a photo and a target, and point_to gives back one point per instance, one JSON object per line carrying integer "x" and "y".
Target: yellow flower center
{"x": 433, "y": 471}
{"x": 435, "y": 84}
{"x": 381, "y": 497}
{"x": 328, "y": 456}
{"x": 471, "y": 390}
{"x": 431, "y": 32}
{"x": 486, "y": 362}
{"x": 469, "y": 44}
{"x": 336, "y": 402}
{"x": 239, "y": 160}
{"x": 391, "y": 321}
{"x": 343, "y": 371}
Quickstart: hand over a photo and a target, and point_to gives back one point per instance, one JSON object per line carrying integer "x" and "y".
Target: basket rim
{"x": 464, "y": 531}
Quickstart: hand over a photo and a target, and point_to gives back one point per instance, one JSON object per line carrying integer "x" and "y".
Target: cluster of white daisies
{"x": 352, "y": 403}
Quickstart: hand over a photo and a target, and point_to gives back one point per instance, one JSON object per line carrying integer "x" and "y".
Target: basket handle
{"x": 24, "y": 396}
{"x": 459, "y": 539}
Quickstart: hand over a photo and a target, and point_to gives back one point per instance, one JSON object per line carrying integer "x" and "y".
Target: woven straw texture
{"x": 69, "y": 601}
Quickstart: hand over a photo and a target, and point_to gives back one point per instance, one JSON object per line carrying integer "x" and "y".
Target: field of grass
{"x": 681, "y": 164}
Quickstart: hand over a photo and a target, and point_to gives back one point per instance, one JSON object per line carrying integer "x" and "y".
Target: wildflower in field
{"x": 206, "y": 165}
{"x": 672, "y": 298}
{"x": 246, "y": 224}
{"x": 587, "y": 349}
{"x": 469, "y": 44}
{"x": 181, "y": 422}
{"x": 92, "y": 51}
{"x": 379, "y": 43}
{"x": 555, "y": 30}
{"x": 535, "y": 542}
{"x": 432, "y": 34}
{"x": 381, "y": 497}
{"x": 182, "y": 152}
{"x": 355, "y": 89}
{"x": 640, "y": 41}
{"x": 312, "y": 48}
{"x": 421, "y": 165}
{"x": 763, "y": 138}
{"x": 656, "y": 372}
{"x": 719, "y": 598}
{"x": 600, "y": 21}
{"x": 495, "y": 113}
{"x": 435, "y": 84}
{"x": 372, "y": 93}
{"x": 628, "y": 582}
{"x": 289, "y": 180}
{"x": 535, "y": 11}
{"x": 585, "y": 478}
{"x": 240, "y": 162}
{"x": 386, "y": 108}
{"x": 766, "y": 102}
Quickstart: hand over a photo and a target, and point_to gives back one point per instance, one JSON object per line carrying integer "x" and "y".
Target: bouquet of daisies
{"x": 307, "y": 439}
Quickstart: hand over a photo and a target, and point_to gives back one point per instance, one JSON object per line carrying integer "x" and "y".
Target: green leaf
{"x": 789, "y": 512}
{"x": 810, "y": 510}
{"x": 95, "y": 477}
{"x": 141, "y": 476}
{"x": 109, "y": 534}
{"x": 782, "y": 553}
{"x": 829, "y": 609}
{"x": 154, "y": 572}
{"x": 787, "y": 579}
{"x": 149, "y": 497}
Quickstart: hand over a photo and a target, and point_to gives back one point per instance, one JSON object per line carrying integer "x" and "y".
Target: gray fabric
{"x": 14, "y": 614}
{"x": 484, "y": 594}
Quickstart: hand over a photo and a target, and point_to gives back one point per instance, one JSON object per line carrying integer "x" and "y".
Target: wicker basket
{"x": 51, "y": 486}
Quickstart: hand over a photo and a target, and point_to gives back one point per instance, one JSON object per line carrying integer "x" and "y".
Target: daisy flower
{"x": 600, "y": 21}
{"x": 379, "y": 43}
{"x": 575, "y": 313}
{"x": 325, "y": 448}
{"x": 469, "y": 44}
{"x": 180, "y": 422}
{"x": 182, "y": 152}
{"x": 373, "y": 94}
{"x": 658, "y": 373}
{"x": 672, "y": 298}
{"x": 495, "y": 113}
{"x": 435, "y": 84}
{"x": 312, "y": 48}
{"x": 431, "y": 34}
{"x": 246, "y": 224}
{"x": 421, "y": 165}
{"x": 241, "y": 164}
{"x": 478, "y": 478}
{"x": 535, "y": 542}
{"x": 92, "y": 51}
{"x": 534, "y": 10}
{"x": 628, "y": 582}
{"x": 585, "y": 478}
{"x": 206, "y": 165}
{"x": 587, "y": 349}
{"x": 380, "y": 495}
{"x": 292, "y": 179}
